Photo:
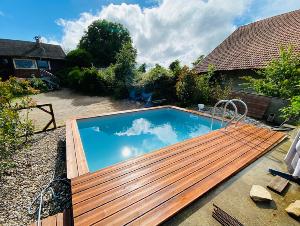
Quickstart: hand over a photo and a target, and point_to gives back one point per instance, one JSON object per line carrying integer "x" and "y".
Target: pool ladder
{"x": 229, "y": 102}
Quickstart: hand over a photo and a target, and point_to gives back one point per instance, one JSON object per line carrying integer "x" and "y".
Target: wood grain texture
{"x": 60, "y": 219}
{"x": 151, "y": 188}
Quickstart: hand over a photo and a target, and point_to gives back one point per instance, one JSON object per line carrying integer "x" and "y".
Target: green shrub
{"x": 79, "y": 58}
{"x": 14, "y": 131}
{"x": 92, "y": 83}
{"x": 160, "y": 81}
{"x": 292, "y": 112}
{"x": 38, "y": 84}
{"x": 89, "y": 81}
{"x": 204, "y": 88}
{"x": 74, "y": 77}
{"x": 280, "y": 78}
{"x": 185, "y": 87}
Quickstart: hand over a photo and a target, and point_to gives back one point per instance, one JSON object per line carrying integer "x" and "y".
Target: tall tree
{"x": 103, "y": 40}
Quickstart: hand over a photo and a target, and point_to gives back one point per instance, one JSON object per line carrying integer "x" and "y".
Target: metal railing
{"x": 229, "y": 102}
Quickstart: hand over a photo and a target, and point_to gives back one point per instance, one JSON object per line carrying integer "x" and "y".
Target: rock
{"x": 294, "y": 208}
{"x": 259, "y": 193}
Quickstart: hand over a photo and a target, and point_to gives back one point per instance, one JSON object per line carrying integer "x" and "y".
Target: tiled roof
{"x": 253, "y": 45}
{"x": 19, "y": 48}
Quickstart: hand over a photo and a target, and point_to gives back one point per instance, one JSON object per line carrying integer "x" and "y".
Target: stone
{"x": 259, "y": 193}
{"x": 294, "y": 208}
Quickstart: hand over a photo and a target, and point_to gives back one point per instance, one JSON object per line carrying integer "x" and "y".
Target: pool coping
{"x": 75, "y": 156}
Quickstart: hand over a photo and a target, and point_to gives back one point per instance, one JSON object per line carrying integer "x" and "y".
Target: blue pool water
{"x": 111, "y": 139}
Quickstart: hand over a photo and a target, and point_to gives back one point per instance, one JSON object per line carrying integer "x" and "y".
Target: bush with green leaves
{"x": 194, "y": 88}
{"x": 87, "y": 80}
{"x": 79, "y": 58}
{"x": 14, "y": 130}
{"x": 292, "y": 111}
{"x": 280, "y": 78}
{"x": 185, "y": 86}
{"x": 160, "y": 81}
{"x": 38, "y": 84}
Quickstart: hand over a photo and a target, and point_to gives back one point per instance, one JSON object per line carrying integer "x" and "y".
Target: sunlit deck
{"x": 150, "y": 189}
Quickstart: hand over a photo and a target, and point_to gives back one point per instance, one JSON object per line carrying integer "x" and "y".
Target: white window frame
{"x": 34, "y": 63}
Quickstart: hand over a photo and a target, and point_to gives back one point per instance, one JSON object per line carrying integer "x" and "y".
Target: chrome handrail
{"x": 225, "y": 107}
{"x": 246, "y": 110}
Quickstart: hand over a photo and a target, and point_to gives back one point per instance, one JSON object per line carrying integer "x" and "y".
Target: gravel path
{"x": 35, "y": 166}
{"x": 67, "y": 104}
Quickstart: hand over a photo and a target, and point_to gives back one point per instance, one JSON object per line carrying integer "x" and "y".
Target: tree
{"x": 142, "y": 68}
{"x": 103, "y": 40}
{"x": 198, "y": 60}
{"x": 281, "y": 77}
{"x": 125, "y": 69}
{"x": 175, "y": 68}
{"x": 79, "y": 57}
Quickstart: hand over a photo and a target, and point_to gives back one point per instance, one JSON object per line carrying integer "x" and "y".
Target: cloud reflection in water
{"x": 164, "y": 133}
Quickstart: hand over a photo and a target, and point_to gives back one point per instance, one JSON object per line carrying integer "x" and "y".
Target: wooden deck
{"x": 151, "y": 188}
{"x": 60, "y": 219}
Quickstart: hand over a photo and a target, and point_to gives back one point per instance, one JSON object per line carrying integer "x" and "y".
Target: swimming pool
{"x": 110, "y": 139}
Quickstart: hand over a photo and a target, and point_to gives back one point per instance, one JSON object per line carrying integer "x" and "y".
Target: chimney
{"x": 38, "y": 40}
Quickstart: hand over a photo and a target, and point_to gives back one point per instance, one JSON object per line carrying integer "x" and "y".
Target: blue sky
{"x": 162, "y": 30}
{"x": 23, "y": 19}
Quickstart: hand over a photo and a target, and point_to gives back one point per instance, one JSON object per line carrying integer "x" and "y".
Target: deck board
{"x": 149, "y": 189}
{"x": 61, "y": 219}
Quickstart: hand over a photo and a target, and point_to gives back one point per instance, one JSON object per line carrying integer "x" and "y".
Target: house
{"x": 251, "y": 47}
{"x": 25, "y": 59}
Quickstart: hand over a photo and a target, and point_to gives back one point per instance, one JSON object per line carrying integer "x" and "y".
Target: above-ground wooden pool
{"x": 150, "y": 188}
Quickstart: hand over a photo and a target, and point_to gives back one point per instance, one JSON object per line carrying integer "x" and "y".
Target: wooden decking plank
{"x": 148, "y": 157}
{"x": 49, "y": 221}
{"x": 130, "y": 213}
{"x": 172, "y": 152}
{"x": 96, "y": 212}
{"x": 171, "y": 207}
{"x": 60, "y": 219}
{"x": 72, "y": 170}
{"x": 80, "y": 156}
{"x": 89, "y": 204}
{"x": 138, "y": 169}
{"x": 165, "y": 169}
{"x": 137, "y": 161}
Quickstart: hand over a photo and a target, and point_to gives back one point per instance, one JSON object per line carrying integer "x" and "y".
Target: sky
{"x": 162, "y": 30}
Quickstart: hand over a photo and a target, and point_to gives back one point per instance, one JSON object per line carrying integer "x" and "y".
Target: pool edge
{"x": 75, "y": 157}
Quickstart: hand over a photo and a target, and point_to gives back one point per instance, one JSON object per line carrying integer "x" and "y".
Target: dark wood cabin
{"x": 24, "y": 59}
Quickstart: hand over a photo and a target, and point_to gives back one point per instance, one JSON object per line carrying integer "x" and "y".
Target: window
{"x": 44, "y": 64}
{"x": 25, "y": 64}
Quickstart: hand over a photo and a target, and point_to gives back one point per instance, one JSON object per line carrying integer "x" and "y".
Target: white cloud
{"x": 175, "y": 29}
{"x": 49, "y": 41}
{"x": 2, "y": 13}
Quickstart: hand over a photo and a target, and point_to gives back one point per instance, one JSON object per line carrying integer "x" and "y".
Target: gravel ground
{"x": 36, "y": 165}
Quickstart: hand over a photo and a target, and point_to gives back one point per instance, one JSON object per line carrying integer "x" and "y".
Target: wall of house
{"x": 260, "y": 107}
{"x": 7, "y": 68}
{"x": 235, "y": 78}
